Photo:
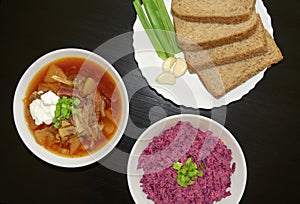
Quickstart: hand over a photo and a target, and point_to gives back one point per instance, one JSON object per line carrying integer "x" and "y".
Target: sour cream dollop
{"x": 43, "y": 110}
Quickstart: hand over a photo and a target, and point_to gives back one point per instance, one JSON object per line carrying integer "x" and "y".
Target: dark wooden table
{"x": 265, "y": 121}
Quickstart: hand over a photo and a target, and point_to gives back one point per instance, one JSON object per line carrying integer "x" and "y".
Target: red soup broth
{"x": 72, "y": 66}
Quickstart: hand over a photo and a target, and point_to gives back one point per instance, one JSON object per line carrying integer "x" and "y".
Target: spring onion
{"x": 167, "y": 24}
{"x": 150, "y": 32}
{"x": 187, "y": 174}
{"x": 158, "y": 26}
{"x": 64, "y": 109}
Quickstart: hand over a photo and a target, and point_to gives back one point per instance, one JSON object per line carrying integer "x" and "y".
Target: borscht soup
{"x": 73, "y": 107}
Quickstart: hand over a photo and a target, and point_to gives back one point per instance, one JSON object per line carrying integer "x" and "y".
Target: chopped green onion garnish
{"x": 64, "y": 109}
{"x": 76, "y": 101}
{"x": 187, "y": 174}
{"x": 75, "y": 111}
{"x": 177, "y": 165}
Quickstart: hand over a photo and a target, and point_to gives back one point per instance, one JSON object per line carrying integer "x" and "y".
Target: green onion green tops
{"x": 64, "y": 109}
{"x": 188, "y": 173}
{"x": 158, "y": 27}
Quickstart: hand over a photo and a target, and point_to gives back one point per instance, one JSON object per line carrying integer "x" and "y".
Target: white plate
{"x": 188, "y": 90}
{"x": 238, "y": 178}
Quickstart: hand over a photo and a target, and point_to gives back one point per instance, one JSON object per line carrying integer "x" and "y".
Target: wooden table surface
{"x": 265, "y": 121}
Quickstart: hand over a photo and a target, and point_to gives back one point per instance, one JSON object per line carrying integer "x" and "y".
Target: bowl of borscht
{"x": 71, "y": 107}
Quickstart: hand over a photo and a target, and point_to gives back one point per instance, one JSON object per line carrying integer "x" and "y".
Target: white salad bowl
{"x": 238, "y": 178}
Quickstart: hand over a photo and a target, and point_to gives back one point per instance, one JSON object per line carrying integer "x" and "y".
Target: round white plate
{"x": 188, "y": 90}
{"x": 238, "y": 178}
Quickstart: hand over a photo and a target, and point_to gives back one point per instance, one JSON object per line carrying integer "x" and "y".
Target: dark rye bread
{"x": 191, "y": 35}
{"x": 223, "y": 78}
{"x": 204, "y": 59}
{"x": 213, "y": 11}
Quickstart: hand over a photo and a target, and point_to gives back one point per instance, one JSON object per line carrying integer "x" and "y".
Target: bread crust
{"x": 229, "y": 53}
{"x": 234, "y": 74}
{"x": 187, "y": 44}
{"x": 230, "y": 19}
{"x": 215, "y": 19}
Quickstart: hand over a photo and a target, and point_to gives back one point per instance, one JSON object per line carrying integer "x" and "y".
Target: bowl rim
{"x": 23, "y": 129}
{"x": 174, "y": 119}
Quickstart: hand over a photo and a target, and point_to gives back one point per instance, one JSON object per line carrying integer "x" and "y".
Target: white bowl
{"x": 238, "y": 179}
{"x": 19, "y": 117}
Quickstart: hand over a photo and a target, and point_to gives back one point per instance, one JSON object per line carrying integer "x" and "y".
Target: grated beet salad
{"x": 179, "y": 143}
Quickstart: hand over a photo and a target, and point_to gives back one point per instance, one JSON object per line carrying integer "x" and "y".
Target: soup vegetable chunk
{"x": 72, "y": 107}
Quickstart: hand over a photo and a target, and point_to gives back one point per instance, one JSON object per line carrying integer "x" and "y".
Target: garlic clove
{"x": 168, "y": 64}
{"x": 180, "y": 67}
{"x": 166, "y": 78}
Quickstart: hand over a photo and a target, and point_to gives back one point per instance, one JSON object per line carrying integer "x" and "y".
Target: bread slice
{"x": 254, "y": 45}
{"x": 194, "y": 36}
{"x": 221, "y": 79}
{"x": 213, "y": 11}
